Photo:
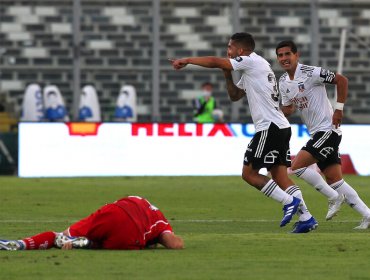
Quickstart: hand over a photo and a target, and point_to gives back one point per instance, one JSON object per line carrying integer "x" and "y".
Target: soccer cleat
{"x": 334, "y": 206}
{"x": 289, "y": 210}
{"x": 77, "y": 242}
{"x": 305, "y": 226}
{"x": 365, "y": 223}
{"x": 11, "y": 245}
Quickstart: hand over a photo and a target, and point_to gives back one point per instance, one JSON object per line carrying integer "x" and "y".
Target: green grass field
{"x": 231, "y": 231}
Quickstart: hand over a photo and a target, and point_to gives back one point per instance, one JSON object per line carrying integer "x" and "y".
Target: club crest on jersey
{"x": 301, "y": 87}
{"x": 238, "y": 59}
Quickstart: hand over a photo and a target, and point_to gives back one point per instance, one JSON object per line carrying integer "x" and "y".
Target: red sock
{"x": 40, "y": 241}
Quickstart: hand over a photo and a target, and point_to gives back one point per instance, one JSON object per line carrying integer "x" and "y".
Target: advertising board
{"x": 155, "y": 149}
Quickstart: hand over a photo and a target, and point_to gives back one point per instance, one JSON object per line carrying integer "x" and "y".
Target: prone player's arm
{"x": 171, "y": 241}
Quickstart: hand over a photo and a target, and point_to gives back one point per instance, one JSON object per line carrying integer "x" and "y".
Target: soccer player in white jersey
{"x": 269, "y": 147}
{"x": 303, "y": 87}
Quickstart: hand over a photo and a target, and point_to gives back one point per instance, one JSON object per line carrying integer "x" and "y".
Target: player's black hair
{"x": 287, "y": 43}
{"x": 245, "y": 39}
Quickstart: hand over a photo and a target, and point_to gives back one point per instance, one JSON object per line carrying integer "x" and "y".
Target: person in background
{"x": 204, "y": 105}
{"x": 303, "y": 88}
{"x": 130, "y": 223}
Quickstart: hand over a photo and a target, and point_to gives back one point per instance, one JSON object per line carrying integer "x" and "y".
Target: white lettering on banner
{"x": 130, "y": 149}
{"x": 181, "y": 130}
{"x": 200, "y": 130}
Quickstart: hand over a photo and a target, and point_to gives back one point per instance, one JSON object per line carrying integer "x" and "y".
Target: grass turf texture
{"x": 231, "y": 231}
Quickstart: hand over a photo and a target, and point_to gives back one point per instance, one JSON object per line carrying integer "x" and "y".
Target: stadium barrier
{"x": 156, "y": 149}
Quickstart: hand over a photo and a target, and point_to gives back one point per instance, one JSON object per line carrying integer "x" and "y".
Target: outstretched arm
{"x": 171, "y": 241}
{"x": 342, "y": 92}
{"x": 204, "y": 61}
{"x": 213, "y": 62}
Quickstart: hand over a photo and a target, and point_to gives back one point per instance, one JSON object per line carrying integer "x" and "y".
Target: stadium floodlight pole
{"x": 155, "y": 60}
{"x": 314, "y": 33}
{"x": 343, "y": 38}
{"x": 76, "y": 58}
{"x": 235, "y": 19}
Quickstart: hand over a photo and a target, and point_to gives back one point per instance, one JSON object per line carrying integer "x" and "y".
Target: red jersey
{"x": 148, "y": 218}
{"x": 129, "y": 223}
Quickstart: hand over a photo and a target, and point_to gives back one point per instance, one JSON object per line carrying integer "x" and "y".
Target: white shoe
{"x": 365, "y": 223}
{"x": 77, "y": 242}
{"x": 334, "y": 206}
{"x": 11, "y": 245}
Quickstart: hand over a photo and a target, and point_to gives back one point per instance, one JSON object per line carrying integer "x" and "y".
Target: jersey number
{"x": 275, "y": 95}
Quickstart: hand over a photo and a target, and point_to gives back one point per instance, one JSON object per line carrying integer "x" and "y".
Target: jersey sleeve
{"x": 241, "y": 63}
{"x": 323, "y": 76}
{"x": 166, "y": 229}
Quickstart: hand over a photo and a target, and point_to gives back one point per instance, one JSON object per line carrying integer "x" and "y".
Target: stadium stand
{"x": 36, "y": 46}
{"x": 7, "y": 122}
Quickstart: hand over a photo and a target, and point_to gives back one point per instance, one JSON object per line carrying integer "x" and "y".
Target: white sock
{"x": 352, "y": 197}
{"x": 271, "y": 189}
{"x": 317, "y": 181}
{"x": 303, "y": 212}
{"x": 23, "y": 246}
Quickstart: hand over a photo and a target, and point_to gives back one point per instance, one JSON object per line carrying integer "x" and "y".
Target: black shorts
{"x": 324, "y": 146}
{"x": 268, "y": 148}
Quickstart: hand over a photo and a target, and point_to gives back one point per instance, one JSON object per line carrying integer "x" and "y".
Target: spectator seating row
{"x": 37, "y": 45}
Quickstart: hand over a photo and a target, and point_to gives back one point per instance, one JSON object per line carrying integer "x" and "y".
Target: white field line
{"x": 176, "y": 221}
{"x": 249, "y": 221}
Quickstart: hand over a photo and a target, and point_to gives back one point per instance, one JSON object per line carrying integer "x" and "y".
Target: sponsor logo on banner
{"x": 141, "y": 149}
{"x": 83, "y": 129}
{"x": 198, "y": 130}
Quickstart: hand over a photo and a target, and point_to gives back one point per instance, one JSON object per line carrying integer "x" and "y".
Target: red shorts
{"x": 109, "y": 228}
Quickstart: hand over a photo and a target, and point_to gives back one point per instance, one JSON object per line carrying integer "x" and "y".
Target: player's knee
{"x": 249, "y": 178}
{"x": 245, "y": 177}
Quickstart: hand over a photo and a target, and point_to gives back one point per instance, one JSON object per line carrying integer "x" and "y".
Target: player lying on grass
{"x": 130, "y": 223}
